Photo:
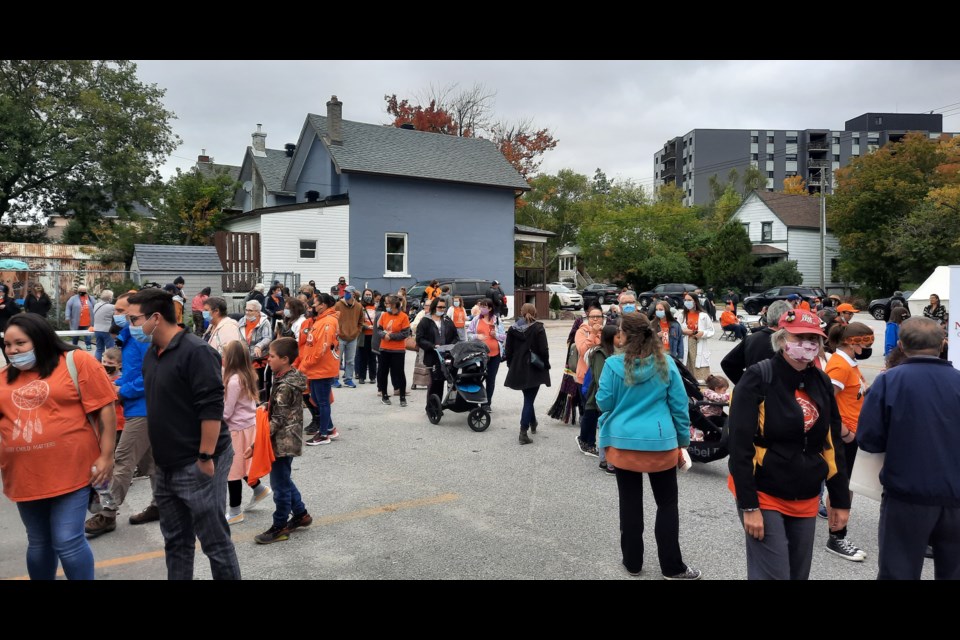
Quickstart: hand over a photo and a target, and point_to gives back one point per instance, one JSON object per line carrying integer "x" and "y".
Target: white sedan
{"x": 569, "y": 299}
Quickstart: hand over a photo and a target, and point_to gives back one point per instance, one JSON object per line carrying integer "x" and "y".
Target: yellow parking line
{"x": 323, "y": 521}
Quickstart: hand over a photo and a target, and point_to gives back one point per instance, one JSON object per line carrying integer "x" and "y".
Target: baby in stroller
{"x": 464, "y": 367}
{"x": 711, "y": 431}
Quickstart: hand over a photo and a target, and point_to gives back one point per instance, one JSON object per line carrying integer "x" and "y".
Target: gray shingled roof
{"x": 162, "y": 257}
{"x": 209, "y": 169}
{"x": 522, "y": 228}
{"x": 272, "y": 168}
{"x": 373, "y": 148}
{"x": 795, "y": 211}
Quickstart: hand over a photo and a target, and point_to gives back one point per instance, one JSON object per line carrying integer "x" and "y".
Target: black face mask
{"x": 110, "y": 370}
{"x": 864, "y": 354}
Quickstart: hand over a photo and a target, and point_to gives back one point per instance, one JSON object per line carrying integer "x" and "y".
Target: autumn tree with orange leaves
{"x": 467, "y": 113}
{"x": 795, "y": 185}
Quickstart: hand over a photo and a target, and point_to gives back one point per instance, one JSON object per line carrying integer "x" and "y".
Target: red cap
{"x": 800, "y": 321}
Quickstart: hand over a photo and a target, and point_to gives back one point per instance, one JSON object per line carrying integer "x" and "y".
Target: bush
{"x": 555, "y": 302}
{"x": 782, "y": 273}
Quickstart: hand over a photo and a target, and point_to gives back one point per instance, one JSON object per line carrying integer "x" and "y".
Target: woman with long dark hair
{"x": 668, "y": 329}
{"x": 432, "y": 332}
{"x": 38, "y": 301}
{"x": 393, "y": 328}
{"x": 697, "y": 329}
{"x": 596, "y": 358}
{"x": 488, "y": 328}
{"x": 526, "y": 344}
{"x": 644, "y": 424}
{"x": 366, "y": 359}
{"x": 51, "y": 452}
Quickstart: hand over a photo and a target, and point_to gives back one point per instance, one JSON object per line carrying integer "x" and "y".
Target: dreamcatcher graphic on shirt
{"x": 28, "y": 399}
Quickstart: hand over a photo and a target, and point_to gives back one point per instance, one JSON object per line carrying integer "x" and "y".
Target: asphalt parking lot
{"x": 399, "y": 498}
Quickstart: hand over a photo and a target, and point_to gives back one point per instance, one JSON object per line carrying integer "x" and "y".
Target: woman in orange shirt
{"x": 393, "y": 328}
{"x": 459, "y": 316}
{"x": 320, "y": 363}
{"x": 486, "y": 326}
{"x": 51, "y": 454}
{"x": 366, "y": 358}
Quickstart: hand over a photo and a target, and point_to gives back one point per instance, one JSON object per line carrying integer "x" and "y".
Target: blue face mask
{"x": 629, "y": 308}
{"x": 24, "y": 361}
{"x": 688, "y": 304}
{"x": 206, "y": 315}
{"x": 348, "y": 296}
{"x": 120, "y": 321}
{"x": 661, "y": 313}
{"x": 138, "y": 334}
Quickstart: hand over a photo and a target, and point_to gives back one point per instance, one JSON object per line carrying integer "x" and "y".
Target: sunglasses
{"x": 862, "y": 341}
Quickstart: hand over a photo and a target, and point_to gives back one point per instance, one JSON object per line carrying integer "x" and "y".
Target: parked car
{"x": 673, "y": 290}
{"x": 472, "y": 290}
{"x": 600, "y": 292}
{"x": 569, "y": 299}
{"x": 879, "y": 305}
{"x": 753, "y": 304}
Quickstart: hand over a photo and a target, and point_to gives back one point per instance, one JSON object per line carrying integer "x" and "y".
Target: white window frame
{"x": 316, "y": 250}
{"x": 406, "y": 252}
{"x": 764, "y": 228}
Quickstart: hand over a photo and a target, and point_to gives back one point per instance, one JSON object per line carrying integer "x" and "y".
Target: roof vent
{"x": 407, "y": 125}
{"x": 313, "y": 196}
{"x": 290, "y": 147}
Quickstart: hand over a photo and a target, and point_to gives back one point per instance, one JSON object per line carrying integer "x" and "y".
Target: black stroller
{"x": 715, "y": 430}
{"x": 464, "y": 367}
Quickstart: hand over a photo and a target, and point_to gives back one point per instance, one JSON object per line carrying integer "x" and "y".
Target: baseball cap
{"x": 793, "y": 296}
{"x": 801, "y": 322}
{"x": 845, "y": 307}
{"x": 495, "y": 282}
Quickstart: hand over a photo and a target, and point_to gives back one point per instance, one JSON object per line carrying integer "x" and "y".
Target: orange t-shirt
{"x": 121, "y": 421}
{"x": 369, "y": 314}
{"x": 806, "y": 508}
{"x": 850, "y": 387}
{"x": 727, "y": 318}
{"x": 693, "y": 321}
{"x": 459, "y": 317}
{"x": 84, "y": 312}
{"x": 47, "y": 446}
{"x": 393, "y": 323}
{"x": 804, "y": 305}
{"x": 487, "y": 331}
{"x": 665, "y": 333}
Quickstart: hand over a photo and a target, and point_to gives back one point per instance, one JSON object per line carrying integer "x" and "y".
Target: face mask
{"x": 138, "y": 334}
{"x": 206, "y": 315}
{"x": 286, "y": 313}
{"x": 367, "y": 299}
{"x": 688, "y": 304}
{"x": 804, "y": 351}
{"x": 120, "y": 321}
{"x": 348, "y": 296}
{"x": 439, "y": 312}
{"x": 863, "y": 355}
{"x": 484, "y": 311}
{"x": 24, "y": 361}
{"x": 456, "y": 303}
{"x": 629, "y": 308}
{"x": 252, "y": 317}
{"x": 389, "y": 309}
{"x": 110, "y": 370}
{"x": 661, "y": 313}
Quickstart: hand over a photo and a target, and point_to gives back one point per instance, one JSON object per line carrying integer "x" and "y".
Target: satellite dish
{"x": 248, "y": 186}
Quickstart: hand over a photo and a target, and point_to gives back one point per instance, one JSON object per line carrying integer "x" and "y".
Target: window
{"x": 791, "y": 139}
{"x": 873, "y": 139}
{"x": 396, "y": 253}
{"x": 754, "y": 156}
{"x": 308, "y": 249}
{"x": 835, "y": 140}
{"x": 754, "y": 139}
{"x": 766, "y": 231}
{"x": 769, "y": 139}
{"x": 746, "y": 228}
{"x": 836, "y": 157}
{"x": 856, "y": 139}
{"x": 769, "y": 174}
{"x": 791, "y": 157}
{"x": 834, "y": 266}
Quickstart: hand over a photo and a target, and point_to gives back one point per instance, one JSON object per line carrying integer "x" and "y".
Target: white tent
{"x": 938, "y": 283}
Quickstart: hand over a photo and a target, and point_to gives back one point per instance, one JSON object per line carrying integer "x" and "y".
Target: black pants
{"x": 391, "y": 362}
{"x": 366, "y": 361}
{"x": 235, "y": 491}
{"x": 849, "y": 457}
{"x": 493, "y": 365}
{"x": 588, "y": 426}
{"x": 667, "y": 527}
{"x": 436, "y": 383}
{"x": 905, "y": 531}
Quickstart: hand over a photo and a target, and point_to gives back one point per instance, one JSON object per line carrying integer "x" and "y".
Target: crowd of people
{"x": 185, "y": 408}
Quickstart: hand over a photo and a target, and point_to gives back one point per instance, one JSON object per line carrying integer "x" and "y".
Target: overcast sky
{"x": 609, "y": 114}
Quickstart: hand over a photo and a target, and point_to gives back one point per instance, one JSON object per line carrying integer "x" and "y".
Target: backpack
{"x": 588, "y": 376}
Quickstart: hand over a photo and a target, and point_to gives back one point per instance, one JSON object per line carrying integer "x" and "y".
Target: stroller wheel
{"x": 434, "y": 412}
{"x": 479, "y": 419}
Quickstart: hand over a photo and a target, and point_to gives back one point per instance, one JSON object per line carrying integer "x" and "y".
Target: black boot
{"x": 524, "y": 438}
{"x": 533, "y": 426}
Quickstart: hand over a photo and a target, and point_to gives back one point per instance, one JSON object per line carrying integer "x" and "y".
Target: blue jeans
{"x": 527, "y": 415}
{"x": 86, "y": 338}
{"x": 348, "y": 350}
{"x": 104, "y": 341}
{"x": 285, "y": 494}
{"x": 493, "y": 365}
{"x": 55, "y": 532}
{"x": 320, "y": 392}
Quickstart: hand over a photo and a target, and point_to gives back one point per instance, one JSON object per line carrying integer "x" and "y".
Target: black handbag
{"x": 537, "y": 362}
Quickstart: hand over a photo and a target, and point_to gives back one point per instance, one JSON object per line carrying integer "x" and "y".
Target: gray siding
{"x": 193, "y": 282}
{"x": 320, "y": 174}
{"x": 453, "y": 230}
{"x": 716, "y": 151}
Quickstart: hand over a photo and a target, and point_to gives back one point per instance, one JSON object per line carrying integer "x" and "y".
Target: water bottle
{"x": 106, "y": 498}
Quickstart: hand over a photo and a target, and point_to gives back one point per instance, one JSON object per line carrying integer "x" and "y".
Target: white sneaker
{"x": 257, "y": 498}
{"x": 237, "y": 519}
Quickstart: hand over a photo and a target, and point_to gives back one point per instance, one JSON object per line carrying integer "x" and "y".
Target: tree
{"x": 753, "y": 180}
{"x": 795, "y": 185}
{"x": 558, "y": 204}
{"x": 729, "y": 261}
{"x": 783, "y": 273}
{"x": 193, "y": 207}
{"x": 77, "y": 135}
{"x": 600, "y": 182}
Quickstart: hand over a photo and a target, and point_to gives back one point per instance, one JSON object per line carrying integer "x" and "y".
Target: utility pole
{"x": 823, "y": 232}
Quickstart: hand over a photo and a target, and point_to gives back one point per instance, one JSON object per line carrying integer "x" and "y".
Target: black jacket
{"x": 9, "y": 310}
{"x": 428, "y": 336}
{"x": 793, "y": 462}
{"x": 523, "y": 338}
{"x": 40, "y": 306}
{"x": 751, "y": 350}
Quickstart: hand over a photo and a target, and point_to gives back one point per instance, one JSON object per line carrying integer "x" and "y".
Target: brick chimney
{"x": 203, "y": 158}
{"x": 335, "y": 121}
{"x": 259, "y": 142}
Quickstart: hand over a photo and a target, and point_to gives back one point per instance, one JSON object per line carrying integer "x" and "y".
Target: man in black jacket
{"x": 756, "y": 346}
{"x": 499, "y": 300}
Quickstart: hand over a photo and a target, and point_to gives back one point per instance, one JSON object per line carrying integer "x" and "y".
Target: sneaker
{"x": 403, "y": 402}
{"x": 350, "y": 384}
{"x": 587, "y": 449}
{"x": 302, "y": 521}
{"x": 611, "y": 470}
{"x": 533, "y": 426}
{"x": 632, "y": 573}
{"x": 603, "y": 465}
{"x": 257, "y": 498}
{"x": 100, "y": 524}
{"x": 822, "y": 511}
{"x": 237, "y": 519}
{"x": 273, "y": 534}
{"x": 362, "y": 381}
{"x": 929, "y": 552}
{"x": 385, "y": 400}
{"x": 845, "y": 549}
{"x": 336, "y": 383}
{"x": 311, "y": 429}
{"x": 150, "y": 514}
{"x": 333, "y": 435}
{"x": 689, "y": 574}
{"x": 524, "y": 438}
{"x": 318, "y": 439}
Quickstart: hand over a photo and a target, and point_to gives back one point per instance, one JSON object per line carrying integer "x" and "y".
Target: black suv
{"x": 673, "y": 290}
{"x": 472, "y": 290}
{"x": 753, "y": 304}
{"x": 599, "y": 292}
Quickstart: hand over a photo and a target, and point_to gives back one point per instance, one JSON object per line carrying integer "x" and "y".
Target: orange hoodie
{"x": 320, "y": 358}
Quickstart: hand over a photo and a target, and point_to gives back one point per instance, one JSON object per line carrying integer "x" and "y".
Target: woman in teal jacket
{"x": 644, "y": 423}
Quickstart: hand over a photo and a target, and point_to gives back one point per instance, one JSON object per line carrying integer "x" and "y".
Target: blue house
{"x": 381, "y": 205}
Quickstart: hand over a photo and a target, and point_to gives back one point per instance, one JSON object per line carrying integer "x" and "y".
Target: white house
{"x": 787, "y": 227}
{"x": 567, "y": 267}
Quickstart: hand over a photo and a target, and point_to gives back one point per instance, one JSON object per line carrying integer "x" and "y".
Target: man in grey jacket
{"x": 102, "y": 320}
{"x": 79, "y": 314}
